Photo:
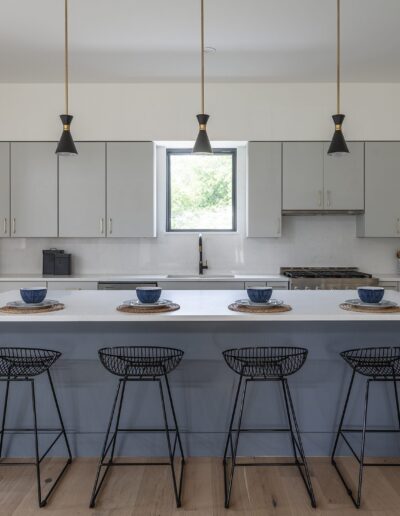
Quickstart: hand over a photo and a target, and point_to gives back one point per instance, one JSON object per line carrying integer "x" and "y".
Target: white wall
{"x": 238, "y": 112}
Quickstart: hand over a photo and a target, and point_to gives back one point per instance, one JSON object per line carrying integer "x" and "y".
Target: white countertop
{"x": 198, "y": 305}
{"x": 145, "y": 277}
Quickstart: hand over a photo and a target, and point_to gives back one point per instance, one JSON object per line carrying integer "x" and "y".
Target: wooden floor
{"x": 147, "y": 491}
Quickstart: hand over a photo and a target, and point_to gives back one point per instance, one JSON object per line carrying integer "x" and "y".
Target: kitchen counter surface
{"x": 198, "y": 306}
{"x": 146, "y": 277}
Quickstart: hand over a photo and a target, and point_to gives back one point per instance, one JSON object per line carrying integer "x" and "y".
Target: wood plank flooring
{"x": 147, "y": 491}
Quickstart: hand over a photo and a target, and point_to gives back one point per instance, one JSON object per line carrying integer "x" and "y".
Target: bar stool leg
{"x": 171, "y": 456}
{"x": 361, "y": 469}
{"x": 234, "y": 448}
{"x": 299, "y": 444}
{"x": 339, "y": 432}
{"x": 3, "y": 422}
{"x": 60, "y": 417}
{"x": 177, "y": 437}
{"x": 106, "y": 446}
{"x": 42, "y": 503}
{"x": 396, "y": 394}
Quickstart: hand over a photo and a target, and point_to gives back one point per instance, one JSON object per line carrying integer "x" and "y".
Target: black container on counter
{"x": 56, "y": 263}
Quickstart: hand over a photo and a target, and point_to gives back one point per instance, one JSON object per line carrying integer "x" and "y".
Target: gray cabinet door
{"x": 382, "y": 191}
{"x": 82, "y": 192}
{"x": 344, "y": 179}
{"x": 130, "y": 189}
{"x": 33, "y": 189}
{"x": 264, "y": 189}
{"x": 303, "y": 187}
{"x": 4, "y": 189}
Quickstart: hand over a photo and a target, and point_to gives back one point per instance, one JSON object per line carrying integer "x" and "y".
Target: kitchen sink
{"x": 198, "y": 276}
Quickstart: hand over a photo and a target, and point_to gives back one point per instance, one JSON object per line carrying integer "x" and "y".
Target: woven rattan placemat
{"x": 251, "y": 309}
{"x": 10, "y": 310}
{"x": 366, "y": 310}
{"x": 172, "y": 307}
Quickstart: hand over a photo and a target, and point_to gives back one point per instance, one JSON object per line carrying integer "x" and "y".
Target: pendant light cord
{"x": 66, "y": 54}
{"x": 338, "y": 58}
{"x": 202, "y": 57}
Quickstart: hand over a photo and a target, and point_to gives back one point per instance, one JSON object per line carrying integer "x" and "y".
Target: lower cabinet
{"x": 201, "y": 285}
{"x": 72, "y": 285}
{"x": 6, "y": 286}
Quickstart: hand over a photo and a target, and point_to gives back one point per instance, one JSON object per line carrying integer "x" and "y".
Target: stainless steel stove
{"x": 327, "y": 278}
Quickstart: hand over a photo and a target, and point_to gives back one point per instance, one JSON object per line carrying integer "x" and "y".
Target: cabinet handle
{"x": 279, "y": 226}
{"x": 5, "y": 225}
{"x": 110, "y": 226}
{"x": 320, "y": 198}
{"x": 328, "y": 198}
{"x": 398, "y": 226}
{"x": 101, "y": 225}
{"x": 14, "y": 227}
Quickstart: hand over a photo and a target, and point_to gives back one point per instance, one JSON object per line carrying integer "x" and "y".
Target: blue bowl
{"x": 33, "y": 295}
{"x": 371, "y": 294}
{"x": 259, "y": 294}
{"x": 148, "y": 294}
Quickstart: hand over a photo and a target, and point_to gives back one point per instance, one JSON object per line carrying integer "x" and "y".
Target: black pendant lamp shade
{"x": 66, "y": 145}
{"x": 338, "y": 146}
{"x": 202, "y": 144}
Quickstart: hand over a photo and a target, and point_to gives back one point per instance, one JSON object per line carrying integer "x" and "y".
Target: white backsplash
{"x": 321, "y": 240}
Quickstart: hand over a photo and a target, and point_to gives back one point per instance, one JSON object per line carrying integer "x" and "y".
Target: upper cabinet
{"x": 314, "y": 181}
{"x": 82, "y": 192}
{"x": 382, "y": 191}
{"x": 33, "y": 189}
{"x": 131, "y": 189}
{"x": 264, "y": 189}
{"x": 303, "y": 182}
{"x": 4, "y": 189}
{"x": 344, "y": 179}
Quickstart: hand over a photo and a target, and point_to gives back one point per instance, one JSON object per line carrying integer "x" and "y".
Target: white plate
{"x": 382, "y": 304}
{"x": 247, "y": 302}
{"x": 22, "y": 305}
{"x": 139, "y": 304}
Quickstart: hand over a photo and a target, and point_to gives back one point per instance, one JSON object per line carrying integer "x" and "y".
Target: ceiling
{"x": 158, "y": 40}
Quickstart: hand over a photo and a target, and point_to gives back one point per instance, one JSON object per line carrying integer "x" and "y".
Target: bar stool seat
{"x": 140, "y": 364}
{"x": 377, "y": 364}
{"x": 140, "y": 360}
{"x": 22, "y": 362}
{"x": 264, "y": 364}
{"x": 374, "y": 361}
{"x": 24, "y": 365}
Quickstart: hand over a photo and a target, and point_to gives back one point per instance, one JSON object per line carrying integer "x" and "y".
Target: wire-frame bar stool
{"x": 23, "y": 365}
{"x": 378, "y": 364}
{"x": 140, "y": 364}
{"x": 264, "y": 364}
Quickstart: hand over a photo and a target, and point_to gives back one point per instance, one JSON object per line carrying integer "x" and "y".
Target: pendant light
{"x": 202, "y": 144}
{"x": 338, "y": 146}
{"x": 66, "y": 145}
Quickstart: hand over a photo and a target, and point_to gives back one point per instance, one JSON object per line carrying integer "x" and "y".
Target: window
{"x": 201, "y": 192}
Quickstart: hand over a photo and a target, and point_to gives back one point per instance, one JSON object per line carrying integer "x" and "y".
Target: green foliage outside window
{"x": 201, "y": 191}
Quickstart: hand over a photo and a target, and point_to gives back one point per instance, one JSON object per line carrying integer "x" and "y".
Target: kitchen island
{"x": 203, "y": 386}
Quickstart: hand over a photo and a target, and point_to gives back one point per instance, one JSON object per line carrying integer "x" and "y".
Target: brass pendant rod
{"x": 66, "y": 54}
{"x": 202, "y": 57}
{"x": 338, "y": 58}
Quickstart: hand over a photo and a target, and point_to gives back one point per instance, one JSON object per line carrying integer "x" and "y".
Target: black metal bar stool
{"x": 381, "y": 364}
{"x": 23, "y": 365}
{"x": 140, "y": 364}
{"x": 265, "y": 364}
